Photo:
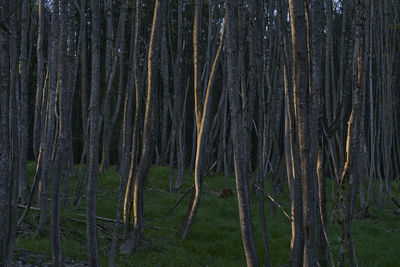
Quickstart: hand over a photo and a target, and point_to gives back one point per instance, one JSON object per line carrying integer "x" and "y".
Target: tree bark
{"x": 50, "y": 120}
{"x": 130, "y": 138}
{"x": 241, "y": 170}
{"x": 40, "y": 79}
{"x": 93, "y": 169}
{"x": 304, "y": 100}
{"x": 4, "y": 132}
{"x": 23, "y": 102}
{"x": 201, "y": 143}
{"x": 136, "y": 234}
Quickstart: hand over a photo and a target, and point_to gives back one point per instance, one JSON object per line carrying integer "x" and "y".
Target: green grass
{"x": 215, "y": 238}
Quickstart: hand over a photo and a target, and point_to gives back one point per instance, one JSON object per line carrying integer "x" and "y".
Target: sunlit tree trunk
{"x": 134, "y": 237}
{"x": 130, "y": 139}
{"x": 200, "y": 146}
{"x": 305, "y": 116}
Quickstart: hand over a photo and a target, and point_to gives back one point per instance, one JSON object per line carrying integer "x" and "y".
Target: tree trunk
{"x": 305, "y": 112}
{"x": 201, "y": 144}
{"x": 4, "y": 132}
{"x": 130, "y": 138}
{"x": 349, "y": 174}
{"x": 47, "y": 145}
{"x": 23, "y": 102}
{"x": 93, "y": 169}
{"x": 150, "y": 129}
{"x": 241, "y": 170}
{"x": 40, "y": 80}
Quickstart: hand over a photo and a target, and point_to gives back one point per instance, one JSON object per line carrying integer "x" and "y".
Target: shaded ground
{"x": 215, "y": 238}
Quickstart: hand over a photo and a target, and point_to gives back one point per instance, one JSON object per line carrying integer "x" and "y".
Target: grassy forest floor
{"x": 215, "y": 238}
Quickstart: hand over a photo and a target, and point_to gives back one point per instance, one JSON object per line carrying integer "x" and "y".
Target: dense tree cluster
{"x": 292, "y": 90}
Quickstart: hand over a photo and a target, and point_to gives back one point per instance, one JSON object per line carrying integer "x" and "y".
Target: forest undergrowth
{"x": 215, "y": 239}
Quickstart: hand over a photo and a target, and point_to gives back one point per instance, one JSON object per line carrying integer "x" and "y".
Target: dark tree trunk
{"x": 50, "y": 120}
{"x": 239, "y": 152}
{"x": 40, "y": 80}
{"x": 23, "y": 102}
{"x": 60, "y": 146}
{"x": 93, "y": 169}
{"x": 4, "y": 131}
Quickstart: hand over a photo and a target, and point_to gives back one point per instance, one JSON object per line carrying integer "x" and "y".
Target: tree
{"x": 202, "y": 130}
{"x": 149, "y": 131}
{"x": 23, "y": 103}
{"x": 93, "y": 169}
{"x": 4, "y": 131}
{"x": 305, "y": 101}
{"x": 49, "y": 118}
{"x": 241, "y": 170}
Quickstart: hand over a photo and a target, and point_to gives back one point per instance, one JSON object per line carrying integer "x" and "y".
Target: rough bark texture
{"x": 50, "y": 120}
{"x": 4, "y": 133}
{"x": 304, "y": 100}
{"x": 60, "y": 146}
{"x": 349, "y": 174}
{"x": 39, "y": 79}
{"x": 23, "y": 102}
{"x": 93, "y": 168}
{"x": 239, "y": 152}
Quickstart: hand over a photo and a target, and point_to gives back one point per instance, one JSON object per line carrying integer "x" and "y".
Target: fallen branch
{"x": 182, "y": 197}
{"x": 158, "y": 190}
{"x": 24, "y": 207}
{"x": 394, "y": 200}
{"x": 104, "y": 219}
{"x": 99, "y": 226}
{"x": 290, "y": 218}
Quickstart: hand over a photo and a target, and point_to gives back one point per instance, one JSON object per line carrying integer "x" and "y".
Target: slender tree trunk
{"x": 201, "y": 144}
{"x": 49, "y": 118}
{"x": 60, "y": 149}
{"x": 93, "y": 169}
{"x": 4, "y": 131}
{"x": 349, "y": 174}
{"x": 14, "y": 134}
{"x": 24, "y": 120}
{"x": 105, "y": 151}
{"x": 150, "y": 129}
{"x": 130, "y": 138}
{"x": 122, "y": 179}
{"x": 40, "y": 80}
{"x": 81, "y": 184}
{"x": 304, "y": 100}
{"x": 292, "y": 152}
{"x": 315, "y": 117}
{"x": 241, "y": 170}
{"x": 179, "y": 101}
{"x": 166, "y": 94}
{"x": 198, "y": 98}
